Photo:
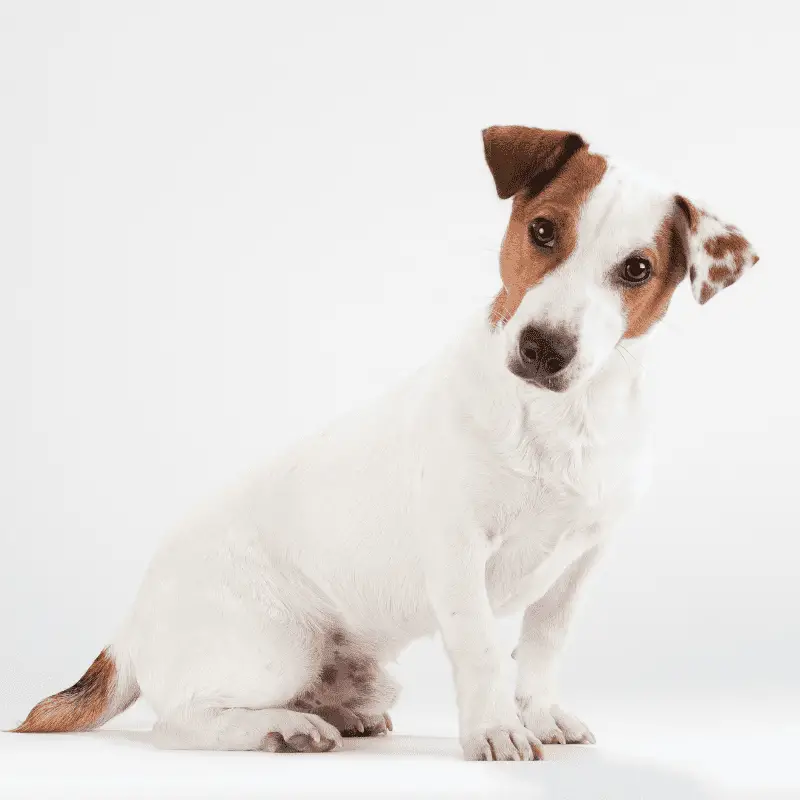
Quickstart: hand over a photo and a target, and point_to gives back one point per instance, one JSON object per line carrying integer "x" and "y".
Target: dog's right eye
{"x": 543, "y": 232}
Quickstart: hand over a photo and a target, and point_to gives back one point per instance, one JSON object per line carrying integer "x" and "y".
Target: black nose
{"x": 543, "y": 353}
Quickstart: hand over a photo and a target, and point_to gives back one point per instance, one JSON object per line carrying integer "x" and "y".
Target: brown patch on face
{"x": 706, "y": 293}
{"x": 79, "y": 708}
{"x": 522, "y": 263}
{"x": 646, "y": 304}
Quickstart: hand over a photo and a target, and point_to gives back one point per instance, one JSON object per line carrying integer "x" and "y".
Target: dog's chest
{"x": 559, "y": 492}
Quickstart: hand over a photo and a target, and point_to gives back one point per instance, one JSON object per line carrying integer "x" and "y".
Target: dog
{"x": 484, "y": 485}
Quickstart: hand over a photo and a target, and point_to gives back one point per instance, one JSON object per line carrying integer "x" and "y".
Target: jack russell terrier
{"x": 484, "y": 485}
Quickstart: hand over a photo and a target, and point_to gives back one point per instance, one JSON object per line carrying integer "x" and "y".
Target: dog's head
{"x": 592, "y": 254}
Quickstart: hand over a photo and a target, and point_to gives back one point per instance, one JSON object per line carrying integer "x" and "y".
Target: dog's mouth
{"x": 558, "y": 382}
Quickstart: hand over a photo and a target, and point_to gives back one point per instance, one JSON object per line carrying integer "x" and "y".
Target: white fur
{"x": 463, "y": 494}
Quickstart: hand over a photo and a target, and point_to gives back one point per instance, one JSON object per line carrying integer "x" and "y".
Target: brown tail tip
{"x": 79, "y": 708}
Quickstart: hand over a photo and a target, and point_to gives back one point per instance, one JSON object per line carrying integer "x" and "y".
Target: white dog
{"x": 486, "y": 484}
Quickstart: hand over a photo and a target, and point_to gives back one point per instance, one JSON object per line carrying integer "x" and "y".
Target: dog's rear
{"x": 103, "y": 692}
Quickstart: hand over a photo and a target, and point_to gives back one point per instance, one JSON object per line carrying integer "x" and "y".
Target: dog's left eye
{"x": 635, "y": 270}
{"x": 543, "y": 232}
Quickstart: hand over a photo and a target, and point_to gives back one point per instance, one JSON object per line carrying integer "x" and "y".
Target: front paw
{"x": 551, "y": 724}
{"x": 501, "y": 743}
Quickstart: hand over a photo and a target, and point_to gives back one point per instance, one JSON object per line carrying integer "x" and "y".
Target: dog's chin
{"x": 558, "y": 383}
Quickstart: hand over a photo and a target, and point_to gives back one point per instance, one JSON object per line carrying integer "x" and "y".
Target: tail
{"x": 102, "y": 693}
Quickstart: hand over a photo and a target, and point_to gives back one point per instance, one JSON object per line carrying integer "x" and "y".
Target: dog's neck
{"x": 506, "y": 407}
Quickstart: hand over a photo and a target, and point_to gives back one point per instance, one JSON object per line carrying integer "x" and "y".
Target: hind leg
{"x": 270, "y": 729}
{"x": 223, "y": 672}
{"x": 307, "y": 695}
{"x": 236, "y": 695}
{"x": 352, "y": 690}
{"x": 223, "y": 678}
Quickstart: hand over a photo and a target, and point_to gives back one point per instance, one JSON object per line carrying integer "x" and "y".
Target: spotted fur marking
{"x": 718, "y": 253}
{"x": 352, "y": 691}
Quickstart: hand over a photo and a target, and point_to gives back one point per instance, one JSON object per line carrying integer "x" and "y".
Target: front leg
{"x": 544, "y": 629}
{"x": 490, "y": 728}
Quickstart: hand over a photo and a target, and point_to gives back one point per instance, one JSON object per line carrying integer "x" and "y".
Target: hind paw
{"x": 302, "y": 733}
{"x": 354, "y": 723}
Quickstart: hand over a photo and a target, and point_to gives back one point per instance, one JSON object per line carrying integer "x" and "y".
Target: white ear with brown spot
{"x": 526, "y": 157}
{"x": 718, "y": 254}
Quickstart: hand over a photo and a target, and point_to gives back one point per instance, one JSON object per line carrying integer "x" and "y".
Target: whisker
{"x": 624, "y": 360}
{"x": 629, "y": 353}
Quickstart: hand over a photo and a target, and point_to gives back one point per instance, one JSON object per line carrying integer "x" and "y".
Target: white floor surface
{"x": 683, "y": 751}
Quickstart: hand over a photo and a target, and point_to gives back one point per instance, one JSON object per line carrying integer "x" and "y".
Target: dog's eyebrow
{"x": 609, "y": 175}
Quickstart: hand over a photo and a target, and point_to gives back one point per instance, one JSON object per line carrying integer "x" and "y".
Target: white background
{"x": 222, "y": 224}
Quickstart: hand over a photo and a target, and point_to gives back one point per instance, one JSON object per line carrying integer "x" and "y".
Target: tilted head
{"x": 592, "y": 254}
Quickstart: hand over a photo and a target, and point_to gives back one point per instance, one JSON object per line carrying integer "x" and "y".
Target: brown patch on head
{"x": 523, "y": 264}
{"x": 718, "y": 254}
{"x": 646, "y": 304}
{"x": 81, "y": 707}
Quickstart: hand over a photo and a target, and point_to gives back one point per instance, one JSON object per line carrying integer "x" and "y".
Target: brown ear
{"x": 718, "y": 253}
{"x": 526, "y": 157}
